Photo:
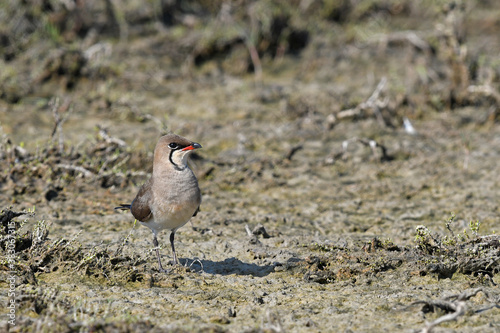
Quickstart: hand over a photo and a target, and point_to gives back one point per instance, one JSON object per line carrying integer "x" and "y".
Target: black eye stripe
{"x": 174, "y": 145}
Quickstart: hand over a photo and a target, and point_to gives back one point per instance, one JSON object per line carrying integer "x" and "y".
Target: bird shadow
{"x": 228, "y": 266}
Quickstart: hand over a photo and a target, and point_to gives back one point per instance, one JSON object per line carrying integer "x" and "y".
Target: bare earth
{"x": 321, "y": 211}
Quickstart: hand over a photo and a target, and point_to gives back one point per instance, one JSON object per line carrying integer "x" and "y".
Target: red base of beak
{"x": 192, "y": 146}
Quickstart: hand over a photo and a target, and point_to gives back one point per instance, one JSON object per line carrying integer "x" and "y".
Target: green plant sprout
{"x": 474, "y": 226}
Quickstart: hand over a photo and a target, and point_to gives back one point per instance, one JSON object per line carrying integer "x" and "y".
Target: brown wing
{"x": 141, "y": 205}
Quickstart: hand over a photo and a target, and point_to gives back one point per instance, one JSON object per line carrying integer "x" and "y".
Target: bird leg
{"x": 172, "y": 235}
{"x": 155, "y": 243}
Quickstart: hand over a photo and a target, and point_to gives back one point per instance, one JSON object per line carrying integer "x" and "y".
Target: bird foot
{"x": 172, "y": 263}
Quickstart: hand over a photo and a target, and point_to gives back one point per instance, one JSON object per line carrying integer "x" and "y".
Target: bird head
{"x": 173, "y": 150}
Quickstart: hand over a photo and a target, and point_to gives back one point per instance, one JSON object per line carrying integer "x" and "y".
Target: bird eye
{"x": 173, "y": 145}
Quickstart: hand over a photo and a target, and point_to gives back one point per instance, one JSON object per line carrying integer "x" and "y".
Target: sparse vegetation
{"x": 464, "y": 252}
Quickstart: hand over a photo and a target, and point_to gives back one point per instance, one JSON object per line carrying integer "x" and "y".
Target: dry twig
{"x": 250, "y": 44}
{"x": 54, "y": 104}
{"x": 225, "y": 17}
{"x": 86, "y": 173}
{"x": 109, "y": 139}
{"x": 372, "y": 103}
{"x": 412, "y": 37}
{"x": 249, "y": 232}
{"x": 368, "y": 143}
{"x": 455, "y": 305}
{"x": 293, "y": 151}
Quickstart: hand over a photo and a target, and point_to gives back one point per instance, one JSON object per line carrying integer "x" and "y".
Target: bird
{"x": 171, "y": 196}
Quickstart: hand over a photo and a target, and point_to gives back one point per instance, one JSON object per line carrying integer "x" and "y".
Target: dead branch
{"x": 330, "y": 159}
{"x": 293, "y": 151}
{"x": 115, "y": 12}
{"x": 320, "y": 228}
{"x": 54, "y": 104}
{"x": 250, "y": 44}
{"x": 108, "y": 139}
{"x": 110, "y": 160}
{"x": 226, "y": 18}
{"x": 455, "y": 305}
{"x": 485, "y": 90}
{"x": 372, "y": 103}
{"x": 459, "y": 310}
{"x": 249, "y": 232}
{"x": 98, "y": 51}
{"x": 122, "y": 175}
{"x": 368, "y": 143}
{"x": 86, "y": 173}
{"x": 411, "y": 37}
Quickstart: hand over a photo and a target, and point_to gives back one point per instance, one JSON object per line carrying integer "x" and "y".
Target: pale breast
{"x": 174, "y": 202}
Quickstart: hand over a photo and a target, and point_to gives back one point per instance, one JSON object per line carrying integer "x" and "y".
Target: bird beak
{"x": 194, "y": 145}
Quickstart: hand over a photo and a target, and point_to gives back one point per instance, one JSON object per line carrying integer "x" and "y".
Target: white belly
{"x": 171, "y": 216}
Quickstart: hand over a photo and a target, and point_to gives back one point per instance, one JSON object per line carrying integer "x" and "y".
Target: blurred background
{"x": 136, "y": 64}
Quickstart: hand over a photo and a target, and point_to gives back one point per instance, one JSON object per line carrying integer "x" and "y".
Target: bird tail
{"x": 124, "y": 207}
